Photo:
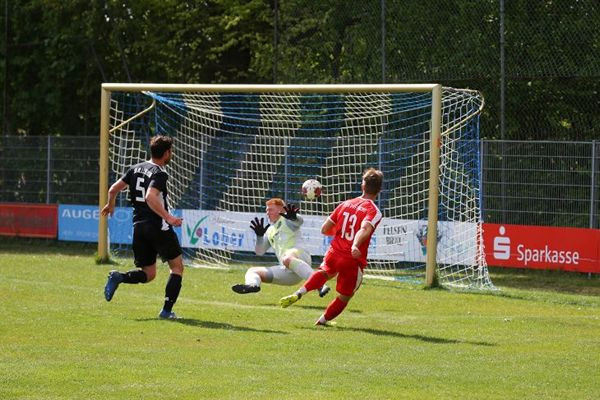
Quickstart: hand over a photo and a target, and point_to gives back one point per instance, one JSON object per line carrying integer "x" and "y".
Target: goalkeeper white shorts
{"x": 283, "y": 276}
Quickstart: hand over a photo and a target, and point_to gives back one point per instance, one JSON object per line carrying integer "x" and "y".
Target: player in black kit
{"x": 152, "y": 224}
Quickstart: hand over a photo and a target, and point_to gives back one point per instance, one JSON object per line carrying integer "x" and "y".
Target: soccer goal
{"x": 236, "y": 146}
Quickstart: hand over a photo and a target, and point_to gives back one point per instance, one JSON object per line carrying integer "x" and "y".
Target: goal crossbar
{"x": 241, "y": 88}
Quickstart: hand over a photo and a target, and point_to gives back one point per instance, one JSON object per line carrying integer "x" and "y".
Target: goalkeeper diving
{"x": 282, "y": 233}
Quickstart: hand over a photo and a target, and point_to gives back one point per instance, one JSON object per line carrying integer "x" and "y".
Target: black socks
{"x": 134, "y": 276}
{"x": 172, "y": 291}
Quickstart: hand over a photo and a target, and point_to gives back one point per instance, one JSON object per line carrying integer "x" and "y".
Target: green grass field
{"x": 539, "y": 338}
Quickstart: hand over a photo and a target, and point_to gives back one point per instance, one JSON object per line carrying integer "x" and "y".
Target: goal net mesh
{"x": 234, "y": 151}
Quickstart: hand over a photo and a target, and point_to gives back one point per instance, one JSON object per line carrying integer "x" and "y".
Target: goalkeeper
{"x": 283, "y": 235}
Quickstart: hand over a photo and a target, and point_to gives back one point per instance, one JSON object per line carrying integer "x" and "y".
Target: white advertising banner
{"x": 394, "y": 240}
{"x": 218, "y": 230}
{"x": 406, "y": 240}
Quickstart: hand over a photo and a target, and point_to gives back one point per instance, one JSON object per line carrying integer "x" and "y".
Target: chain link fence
{"x": 541, "y": 183}
{"x": 537, "y": 63}
{"x": 49, "y": 169}
{"x": 531, "y": 183}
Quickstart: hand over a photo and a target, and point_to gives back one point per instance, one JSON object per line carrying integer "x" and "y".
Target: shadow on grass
{"x": 428, "y": 339}
{"x": 214, "y": 325}
{"x": 546, "y": 296}
{"x": 305, "y": 307}
{"x": 322, "y": 308}
{"x": 552, "y": 281}
{"x": 22, "y": 245}
{"x": 318, "y": 308}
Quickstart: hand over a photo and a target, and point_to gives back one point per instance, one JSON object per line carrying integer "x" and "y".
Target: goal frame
{"x": 434, "y": 140}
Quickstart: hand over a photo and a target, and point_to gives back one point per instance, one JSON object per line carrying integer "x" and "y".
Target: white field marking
{"x": 380, "y": 277}
{"x": 214, "y": 267}
{"x": 138, "y": 295}
{"x": 348, "y": 314}
{"x": 207, "y": 266}
{"x": 311, "y": 312}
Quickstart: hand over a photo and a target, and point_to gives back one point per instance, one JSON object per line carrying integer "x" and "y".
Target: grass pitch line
{"x": 207, "y": 266}
{"x": 97, "y": 293}
{"x": 311, "y": 311}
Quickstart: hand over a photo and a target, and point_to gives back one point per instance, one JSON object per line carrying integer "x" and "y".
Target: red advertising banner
{"x": 30, "y": 220}
{"x": 542, "y": 247}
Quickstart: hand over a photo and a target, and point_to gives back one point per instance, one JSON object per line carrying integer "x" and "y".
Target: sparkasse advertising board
{"x": 542, "y": 247}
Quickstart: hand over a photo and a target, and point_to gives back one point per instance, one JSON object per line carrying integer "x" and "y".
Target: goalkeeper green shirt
{"x": 282, "y": 235}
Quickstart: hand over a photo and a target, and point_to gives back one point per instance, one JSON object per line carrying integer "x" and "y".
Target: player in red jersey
{"x": 352, "y": 224}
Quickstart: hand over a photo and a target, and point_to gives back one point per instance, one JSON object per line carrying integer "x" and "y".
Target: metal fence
{"x": 541, "y": 183}
{"x": 536, "y": 62}
{"x": 524, "y": 182}
{"x": 49, "y": 169}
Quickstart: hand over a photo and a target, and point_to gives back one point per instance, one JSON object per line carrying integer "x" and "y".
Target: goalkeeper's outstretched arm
{"x": 258, "y": 226}
{"x": 262, "y": 245}
{"x": 295, "y": 224}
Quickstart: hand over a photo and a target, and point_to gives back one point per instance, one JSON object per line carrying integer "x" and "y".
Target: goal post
{"x": 103, "y": 175}
{"x": 238, "y": 145}
{"x": 434, "y": 180}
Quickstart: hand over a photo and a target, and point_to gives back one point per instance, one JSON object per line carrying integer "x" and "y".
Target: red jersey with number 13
{"x": 348, "y": 218}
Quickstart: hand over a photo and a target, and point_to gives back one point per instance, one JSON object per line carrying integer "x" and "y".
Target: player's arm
{"x": 292, "y": 219}
{"x": 154, "y": 202}
{"x": 262, "y": 244}
{"x": 328, "y": 227}
{"x": 295, "y": 224}
{"x": 114, "y": 190}
{"x": 366, "y": 229}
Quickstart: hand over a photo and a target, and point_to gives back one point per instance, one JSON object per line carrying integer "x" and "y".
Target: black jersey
{"x": 140, "y": 178}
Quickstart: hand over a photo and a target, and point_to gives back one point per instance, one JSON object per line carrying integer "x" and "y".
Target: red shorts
{"x": 349, "y": 272}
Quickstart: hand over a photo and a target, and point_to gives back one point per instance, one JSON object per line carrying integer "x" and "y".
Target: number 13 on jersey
{"x": 349, "y": 226}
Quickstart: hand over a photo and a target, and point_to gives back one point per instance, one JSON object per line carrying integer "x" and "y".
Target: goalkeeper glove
{"x": 291, "y": 212}
{"x": 258, "y": 226}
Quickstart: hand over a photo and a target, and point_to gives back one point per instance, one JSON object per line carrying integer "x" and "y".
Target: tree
{"x": 56, "y": 68}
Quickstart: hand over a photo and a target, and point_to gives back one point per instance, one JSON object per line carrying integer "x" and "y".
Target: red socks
{"x": 316, "y": 280}
{"x": 334, "y": 309}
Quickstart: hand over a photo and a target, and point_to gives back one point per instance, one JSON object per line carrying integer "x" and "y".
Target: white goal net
{"x": 235, "y": 149}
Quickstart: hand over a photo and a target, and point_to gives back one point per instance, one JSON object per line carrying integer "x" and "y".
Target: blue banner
{"x": 79, "y": 223}
{"x": 120, "y": 227}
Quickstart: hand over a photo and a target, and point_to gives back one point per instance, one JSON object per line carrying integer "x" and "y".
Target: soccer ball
{"x": 311, "y": 189}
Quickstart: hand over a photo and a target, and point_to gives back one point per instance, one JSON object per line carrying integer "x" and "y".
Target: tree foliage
{"x": 56, "y": 54}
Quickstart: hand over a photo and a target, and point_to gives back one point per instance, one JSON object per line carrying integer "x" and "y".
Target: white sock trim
{"x": 252, "y": 278}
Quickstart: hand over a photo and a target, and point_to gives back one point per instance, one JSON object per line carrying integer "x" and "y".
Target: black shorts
{"x": 149, "y": 240}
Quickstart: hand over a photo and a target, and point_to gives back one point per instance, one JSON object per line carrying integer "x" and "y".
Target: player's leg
{"x": 145, "y": 260}
{"x": 173, "y": 287}
{"x": 252, "y": 280}
{"x": 316, "y": 280}
{"x": 334, "y": 309}
{"x": 348, "y": 282}
{"x": 284, "y": 276}
{"x": 170, "y": 251}
{"x": 299, "y": 262}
